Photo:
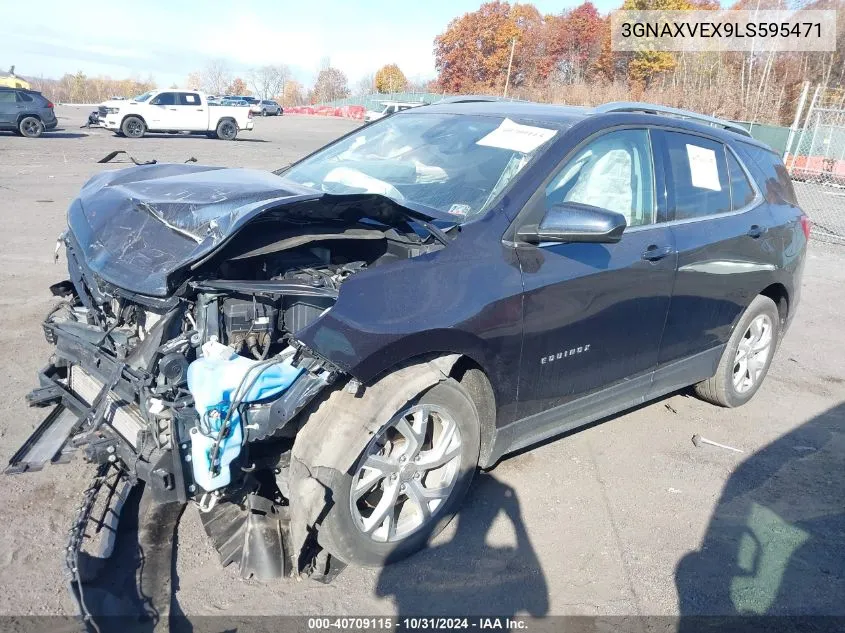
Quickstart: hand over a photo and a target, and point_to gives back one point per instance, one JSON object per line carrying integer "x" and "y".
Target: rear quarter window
{"x": 769, "y": 172}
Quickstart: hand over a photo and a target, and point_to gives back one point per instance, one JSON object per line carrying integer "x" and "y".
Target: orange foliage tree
{"x": 390, "y": 78}
{"x": 237, "y": 87}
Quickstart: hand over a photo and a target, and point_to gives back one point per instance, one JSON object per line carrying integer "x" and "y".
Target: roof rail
{"x": 650, "y": 108}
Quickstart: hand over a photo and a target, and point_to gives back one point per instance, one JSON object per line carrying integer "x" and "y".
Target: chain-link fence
{"x": 816, "y": 162}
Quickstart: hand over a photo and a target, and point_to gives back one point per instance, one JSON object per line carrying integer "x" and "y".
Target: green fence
{"x": 775, "y": 136}
{"x": 373, "y": 101}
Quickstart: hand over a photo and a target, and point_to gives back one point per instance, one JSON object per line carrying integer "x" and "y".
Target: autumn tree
{"x": 194, "y": 80}
{"x": 366, "y": 84}
{"x": 237, "y": 87}
{"x": 574, "y": 42}
{"x": 331, "y": 84}
{"x": 646, "y": 65}
{"x": 390, "y": 78}
{"x": 269, "y": 80}
{"x": 293, "y": 94}
{"x": 215, "y": 77}
{"x": 473, "y": 52}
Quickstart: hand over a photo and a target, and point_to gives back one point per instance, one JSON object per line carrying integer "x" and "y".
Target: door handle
{"x": 655, "y": 253}
{"x": 174, "y": 109}
{"x": 755, "y": 231}
{"x": 199, "y": 110}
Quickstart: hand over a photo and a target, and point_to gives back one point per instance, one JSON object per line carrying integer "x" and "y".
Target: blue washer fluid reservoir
{"x": 213, "y": 380}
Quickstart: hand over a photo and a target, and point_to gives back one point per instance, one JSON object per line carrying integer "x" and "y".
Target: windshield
{"x": 452, "y": 163}
{"x": 143, "y": 97}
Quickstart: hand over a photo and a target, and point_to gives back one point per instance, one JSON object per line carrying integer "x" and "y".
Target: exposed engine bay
{"x": 199, "y": 394}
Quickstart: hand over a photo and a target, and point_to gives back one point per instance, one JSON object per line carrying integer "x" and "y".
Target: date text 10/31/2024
{"x": 416, "y": 623}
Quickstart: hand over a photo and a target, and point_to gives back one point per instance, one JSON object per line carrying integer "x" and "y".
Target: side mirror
{"x": 574, "y": 222}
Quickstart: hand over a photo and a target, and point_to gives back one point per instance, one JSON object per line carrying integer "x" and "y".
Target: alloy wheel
{"x": 30, "y": 127}
{"x": 406, "y": 474}
{"x": 753, "y": 352}
{"x": 133, "y": 128}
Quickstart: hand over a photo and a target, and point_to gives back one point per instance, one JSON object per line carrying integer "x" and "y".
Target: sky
{"x": 170, "y": 38}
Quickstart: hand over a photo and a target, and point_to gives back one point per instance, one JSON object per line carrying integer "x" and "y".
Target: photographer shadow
{"x": 467, "y": 576}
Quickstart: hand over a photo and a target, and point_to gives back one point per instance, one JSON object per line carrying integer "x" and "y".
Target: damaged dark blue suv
{"x": 321, "y": 357}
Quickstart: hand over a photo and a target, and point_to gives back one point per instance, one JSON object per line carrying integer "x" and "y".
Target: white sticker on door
{"x": 703, "y": 168}
{"x": 516, "y": 137}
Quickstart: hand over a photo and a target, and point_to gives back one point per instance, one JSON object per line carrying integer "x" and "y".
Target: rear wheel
{"x": 747, "y": 356}
{"x": 407, "y": 482}
{"x": 31, "y": 127}
{"x": 133, "y": 127}
{"x": 227, "y": 130}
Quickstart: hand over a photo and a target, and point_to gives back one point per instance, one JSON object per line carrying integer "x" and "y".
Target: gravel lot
{"x": 626, "y": 517}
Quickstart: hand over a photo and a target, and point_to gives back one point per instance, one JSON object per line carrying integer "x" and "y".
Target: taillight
{"x": 50, "y": 105}
{"x": 805, "y": 225}
{"x": 249, "y": 114}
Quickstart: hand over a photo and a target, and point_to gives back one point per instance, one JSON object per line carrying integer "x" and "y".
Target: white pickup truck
{"x": 173, "y": 110}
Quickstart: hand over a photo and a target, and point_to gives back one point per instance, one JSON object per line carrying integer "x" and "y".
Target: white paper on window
{"x": 517, "y": 138}
{"x": 703, "y": 168}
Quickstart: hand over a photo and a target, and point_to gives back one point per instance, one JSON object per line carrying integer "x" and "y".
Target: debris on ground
{"x": 698, "y": 441}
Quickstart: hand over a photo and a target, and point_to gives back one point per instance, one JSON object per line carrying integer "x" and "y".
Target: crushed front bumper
{"x": 94, "y": 408}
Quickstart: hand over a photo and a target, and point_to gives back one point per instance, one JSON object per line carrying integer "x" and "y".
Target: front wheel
{"x": 407, "y": 482}
{"x": 31, "y": 127}
{"x": 747, "y": 356}
{"x": 227, "y": 130}
{"x": 133, "y": 127}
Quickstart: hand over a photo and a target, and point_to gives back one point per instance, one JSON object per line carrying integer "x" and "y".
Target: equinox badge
{"x": 565, "y": 354}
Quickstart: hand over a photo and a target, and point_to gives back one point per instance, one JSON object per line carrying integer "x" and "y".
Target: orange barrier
{"x": 347, "y": 112}
{"x": 816, "y": 167}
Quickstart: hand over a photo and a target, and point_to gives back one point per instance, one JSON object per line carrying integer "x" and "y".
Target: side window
{"x": 613, "y": 172}
{"x": 389, "y": 110}
{"x": 775, "y": 181}
{"x": 742, "y": 193}
{"x": 7, "y": 96}
{"x": 165, "y": 99}
{"x": 189, "y": 99}
{"x": 22, "y": 96}
{"x": 697, "y": 176}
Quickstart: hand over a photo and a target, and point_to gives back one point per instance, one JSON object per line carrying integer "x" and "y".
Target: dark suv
{"x": 321, "y": 357}
{"x": 26, "y": 112}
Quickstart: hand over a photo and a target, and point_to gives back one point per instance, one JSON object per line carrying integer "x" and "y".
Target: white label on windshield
{"x": 703, "y": 168}
{"x": 516, "y": 137}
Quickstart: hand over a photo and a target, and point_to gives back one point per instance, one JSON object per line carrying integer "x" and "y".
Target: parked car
{"x": 173, "y": 111}
{"x": 26, "y": 112}
{"x": 390, "y": 107}
{"x": 234, "y": 101}
{"x": 266, "y": 107}
{"x": 322, "y": 357}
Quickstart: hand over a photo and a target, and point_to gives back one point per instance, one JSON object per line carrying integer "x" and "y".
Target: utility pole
{"x": 510, "y": 63}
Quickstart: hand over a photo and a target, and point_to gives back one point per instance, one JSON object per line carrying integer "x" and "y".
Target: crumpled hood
{"x": 136, "y": 227}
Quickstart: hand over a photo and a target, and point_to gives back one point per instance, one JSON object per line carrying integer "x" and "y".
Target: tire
{"x": 133, "y": 127}
{"x": 227, "y": 130}
{"x": 736, "y": 380}
{"x": 31, "y": 127}
{"x": 340, "y": 532}
{"x": 263, "y": 112}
